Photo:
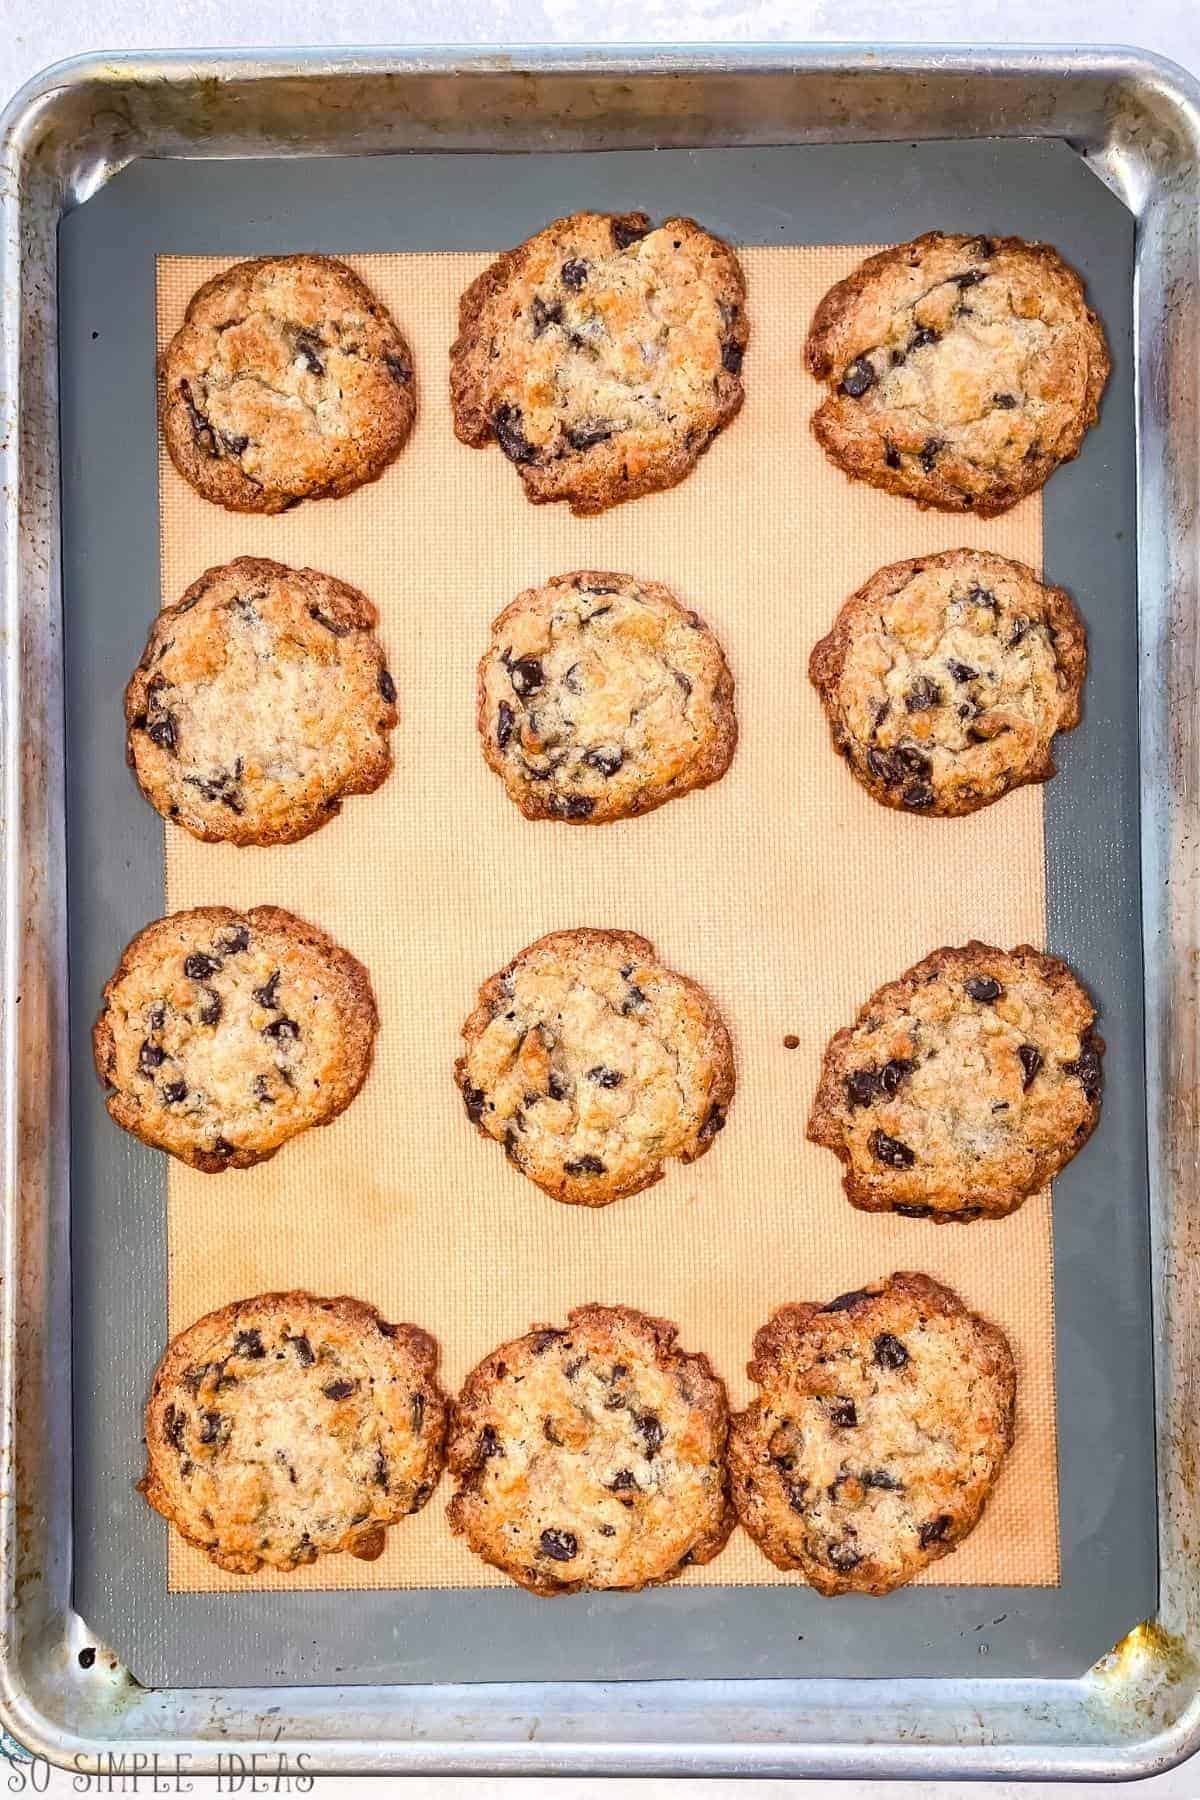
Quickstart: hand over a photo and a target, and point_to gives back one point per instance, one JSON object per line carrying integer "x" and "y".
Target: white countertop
{"x": 28, "y": 42}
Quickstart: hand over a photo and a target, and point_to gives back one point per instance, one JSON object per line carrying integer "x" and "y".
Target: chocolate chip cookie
{"x": 223, "y": 1034}
{"x": 882, "y": 1424}
{"x": 592, "y": 1455}
{"x": 964, "y": 1086}
{"x": 601, "y": 697}
{"x": 262, "y": 699}
{"x": 945, "y": 679}
{"x": 593, "y": 1065}
{"x": 287, "y": 1427}
{"x": 603, "y": 355}
{"x": 961, "y": 371}
{"x": 287, "y": 381}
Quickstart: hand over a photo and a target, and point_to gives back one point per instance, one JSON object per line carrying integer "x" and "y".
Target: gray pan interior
{"x": 793, "y": 195}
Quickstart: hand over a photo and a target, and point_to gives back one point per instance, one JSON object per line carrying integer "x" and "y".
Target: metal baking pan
{"x": 1137, "y": 125}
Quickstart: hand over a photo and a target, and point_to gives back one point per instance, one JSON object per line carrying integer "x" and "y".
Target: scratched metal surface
{"x": 1138, "y": 123}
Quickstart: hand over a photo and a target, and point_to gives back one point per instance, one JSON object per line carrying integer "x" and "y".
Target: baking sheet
{"x": 693, "y": 925}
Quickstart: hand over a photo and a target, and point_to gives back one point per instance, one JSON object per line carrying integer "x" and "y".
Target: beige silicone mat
{"x": 784, "y": 889}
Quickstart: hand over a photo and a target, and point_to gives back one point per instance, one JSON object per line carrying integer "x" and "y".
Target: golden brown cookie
{"x": 601, "y": 697}
{"x": 603, "y": 355}
{"x": 960, "y": 371}
{"x": 594, "y": 1065}
{"x": 964, "y": 1086}
{"x": 592, "y": 1455}
{"x": 262, "y": 699}
{"x": 944, "y": 680}
{"x": 288, "y": 1427}
{"x": 287, "y": 381}
{"x": 223, "y": 1034}
{"x": 882, "y": 1423}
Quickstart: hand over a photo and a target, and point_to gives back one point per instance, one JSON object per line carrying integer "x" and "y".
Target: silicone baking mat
{"x": 784, "y": 889}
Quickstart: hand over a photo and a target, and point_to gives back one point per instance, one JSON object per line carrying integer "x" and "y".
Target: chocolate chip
{"x": 962, "y": 671}
{"x": 607, "y": 759}
{"x": 267, "y": 995}
{"x": 895, "y": 767}
{"x": 556, "y": 1087}
{"x": 891, "y": 1151}
{"x": 622, "y": 1482}
{"x": 202, "y": 430}
{"x": 262, "y": 1090}
{"x": 337, "y": 627}
{"x": 220, "y": 788}
{"x": 546, "y": 1340}
{"x": 843, "y": 1412}
{"x": 307, "y": 346}
{"x": 173, "y": 1424}
{"x": 163, "y": 732}
{"x": 918, "y": 798}
{"x": 714, "y": 1121}
{"x": 894, "y": 1072}
{"x": 249, "y": 1344}
{"x": 284, "y": 1030}
{"x": 1020, "y": 630}
{"x": 174, "y": 1092}
{"x": 1087, "y": 1068}
{"x": 339, "y": 1390}
{"x": 575, "y": 806}
{"x": 1031, "y": 1062}
{"x": 923, "y": 335}
{"x": 1006, "y": 402}
{"x": 506, "y": 423}
{"x": 489, "y": 1444}
{"x": 156, "y": 1018}
{"x": 934, "y": 1530}
{"x": 210, "y": 1007}
{"x": 844, "y": 1556}
{"x": 626, "y": 232}
{"x": 879, "y": 1478}
{"x": 891, "y": 455}
{"x": 303, "y": 1349}
{"x": 649, "y": 1428}
{"x": 526, "y": 675}
{"x": 981, "y": 596}
{"x": 543, "y": 315}
{"x": 931, "y": 449}
{"x": 604, "y": 1077}
{"x": 732, "y": 356}
{"x": 380, "y": 1472}
{"x": 387, "y": 687}
{"x": 592, "y": 431}
{"x": 923, "y": 694}
{"x": 473, "y": 1100}
{"x": 399, "y": 370}
{"x": 844, "y": 1302}
{"x": 862, "y": 1086}
{"x": 150, "y": 1057}
{"x": 970, "y": 279}
{"x": 605, "y": 1531}
{"x": 560, "y": 1546}
{"x": 574, "y": 274}
{"x": 635, "y": 999}
{"x": 889, "y": 1351}
{"x": 983, "y": 988}
{"x": 199, "y": 967}
{"x": 222, "y": 1147}
{"x": 984, "y": 247}
{"x": 584, "y": 1165}
{"x": 506, "y": 718}
{"x": 235, "y": 940}
{"x": 212, "y": 1425}
{"x": 858, "y": 378}
{"x": 915, "y": 1212}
